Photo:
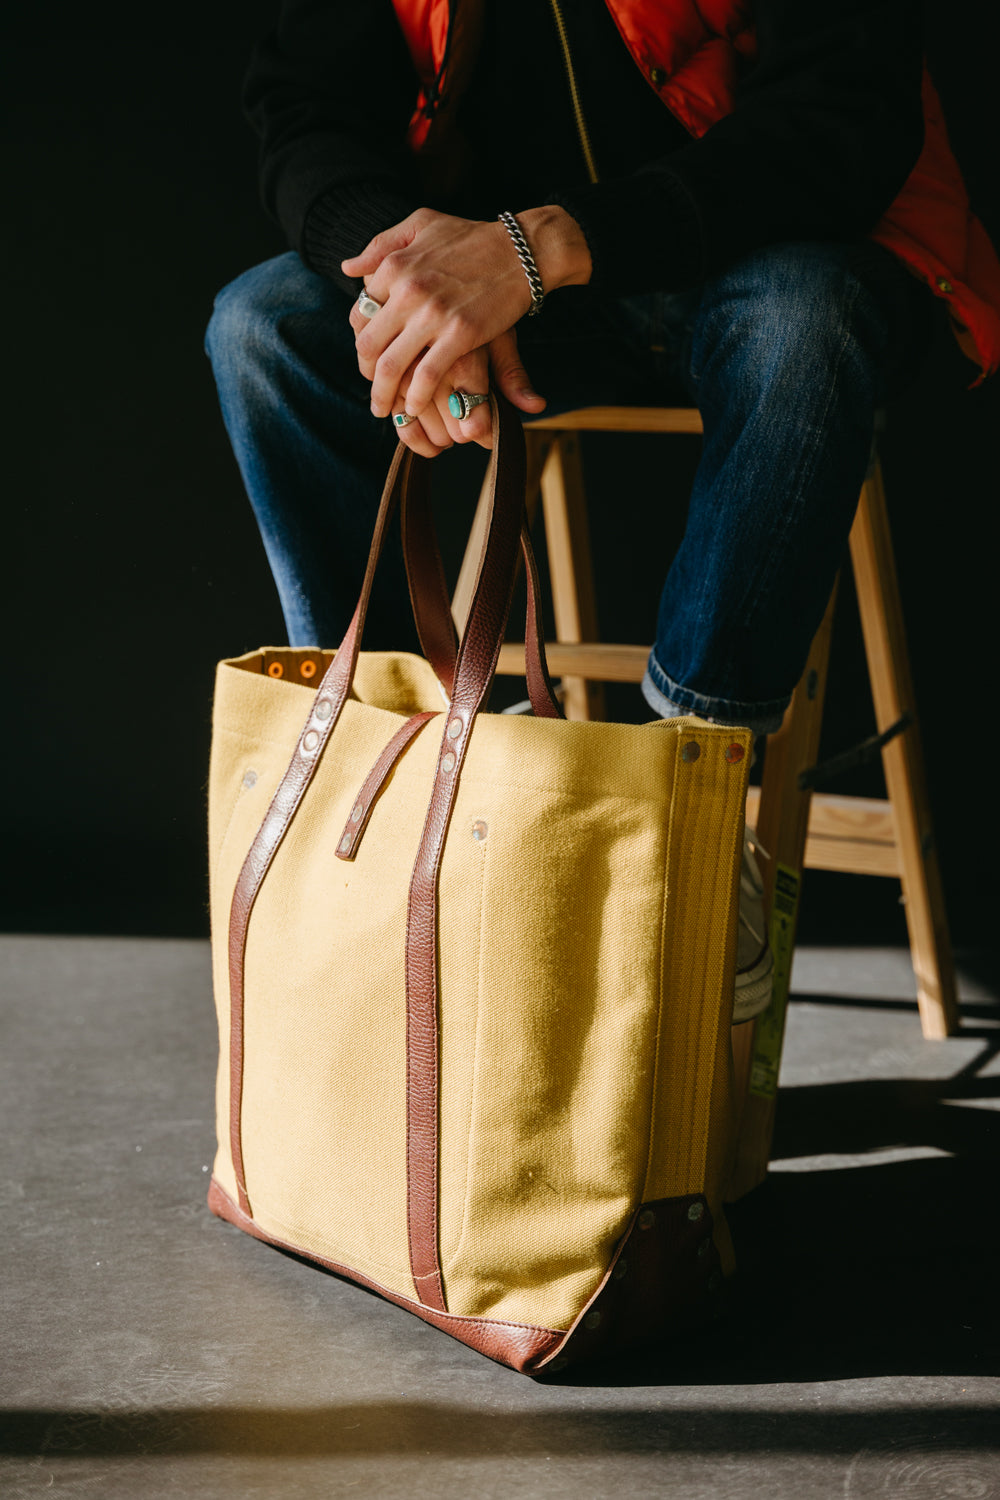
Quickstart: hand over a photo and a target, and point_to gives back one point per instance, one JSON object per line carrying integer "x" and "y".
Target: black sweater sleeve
{"x": 826, "y": 128}
{"x": 330, "y": 92}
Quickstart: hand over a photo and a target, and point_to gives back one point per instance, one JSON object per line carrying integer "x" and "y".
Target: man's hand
{"x": 449, "y": 289}
{"x": 436, "y": 429}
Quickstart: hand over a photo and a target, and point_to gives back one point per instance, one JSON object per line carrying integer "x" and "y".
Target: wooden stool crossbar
{"x": 799, "y": 828}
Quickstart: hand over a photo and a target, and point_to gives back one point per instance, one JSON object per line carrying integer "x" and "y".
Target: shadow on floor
{"x": 424, "y": 1429}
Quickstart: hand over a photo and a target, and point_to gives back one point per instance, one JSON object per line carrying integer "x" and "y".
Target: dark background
{"x": 132, "y": 562}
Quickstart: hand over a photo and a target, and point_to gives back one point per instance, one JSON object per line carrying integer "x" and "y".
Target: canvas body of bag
{"x": 474, "y": 974}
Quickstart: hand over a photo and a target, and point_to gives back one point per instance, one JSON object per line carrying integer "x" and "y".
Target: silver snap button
{"x": 249, "y": 779}
{"x": 691, "y": 751}
{"x": 448, "y": 763}
{"x": 310, "y": 741}
{"x": 356, "y": 812}
{"x": 647, "y": 1219}
{"x": 454, "y": 729}
{"x": 479, "y": 830}
{"x": 620, "y": 1270}
{"x": 592, "y": 1320}
{"x": 323, "y": 710}
{"x": 695, "y": 1212}
{"x": 345, "y": 844}
{"x": 558, "y": 1364}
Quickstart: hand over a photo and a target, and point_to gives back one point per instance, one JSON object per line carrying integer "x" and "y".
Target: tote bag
{"x": 474, "y": 972}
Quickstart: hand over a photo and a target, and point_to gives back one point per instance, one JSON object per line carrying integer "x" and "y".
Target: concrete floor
{"x": 151, "y": 1351}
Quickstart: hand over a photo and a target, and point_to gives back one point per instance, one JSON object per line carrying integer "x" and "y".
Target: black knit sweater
{"x": 826, "y": 128}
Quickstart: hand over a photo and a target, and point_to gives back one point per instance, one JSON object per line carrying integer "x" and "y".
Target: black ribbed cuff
{"x": 643, "y": 232}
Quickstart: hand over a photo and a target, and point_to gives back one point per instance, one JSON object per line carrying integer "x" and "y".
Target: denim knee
{"x": 799, "y": 314}
{"x": 268, "y": 312}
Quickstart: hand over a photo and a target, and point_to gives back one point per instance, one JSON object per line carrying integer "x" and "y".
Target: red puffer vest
{"x": 691, "y": 51}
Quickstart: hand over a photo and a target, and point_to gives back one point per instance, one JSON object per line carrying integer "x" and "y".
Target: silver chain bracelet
{"x": 527, "y": 260}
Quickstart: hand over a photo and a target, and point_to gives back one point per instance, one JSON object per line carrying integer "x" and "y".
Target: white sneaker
{"x": 754, "y": 963}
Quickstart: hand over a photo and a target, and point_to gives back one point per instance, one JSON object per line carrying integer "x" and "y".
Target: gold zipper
{"x": 581, "y": 124}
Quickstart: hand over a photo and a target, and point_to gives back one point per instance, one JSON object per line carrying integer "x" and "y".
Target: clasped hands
{"x": 451, "y": 291}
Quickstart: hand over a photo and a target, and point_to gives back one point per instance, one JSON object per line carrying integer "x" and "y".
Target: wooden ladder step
{"x": 852, "y": 835}
{"x": 604, "y": 663}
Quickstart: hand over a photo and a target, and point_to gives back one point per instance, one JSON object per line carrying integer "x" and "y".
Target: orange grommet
{"x": 276, "y": 669}
{"x": 308, "y": 669}
{"x": 735, "y": 753}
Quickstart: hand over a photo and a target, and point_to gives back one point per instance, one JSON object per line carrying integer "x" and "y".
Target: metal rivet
{"x": 705, "y": 1247}
{"x": 345, "y": 844}
{"x": 448, "y": 764}
{"x": 695, "y": 1212}
{"x": 356, "y": 812}
{"x": 558, "y": 1364}
{"x": 276, "y": 669}
{"x": 714, "y": 1281}
{"x": 454, "y": 729}
{"x": 479, "y": 830}
{"x": 311, "y": 740}
{"x": 592, "y": 1320}
{"x": 308, "y": 669}
{"x": 944, "y": 285}
{"x": 691, "y": 751}
{"x": 249, "y": 778}
{"x": 647, "y": 1219}
{"x": 735, "y": 753}
{"x": 657, "y": 76}
{"x": 323, "y": 709}
{"x": 620, "y": 1270}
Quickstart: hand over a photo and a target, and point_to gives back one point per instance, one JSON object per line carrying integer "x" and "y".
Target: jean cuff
{"x": 670, "y": 700}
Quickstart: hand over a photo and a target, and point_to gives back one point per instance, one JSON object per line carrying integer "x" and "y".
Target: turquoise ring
{"x": 462, "y": 403}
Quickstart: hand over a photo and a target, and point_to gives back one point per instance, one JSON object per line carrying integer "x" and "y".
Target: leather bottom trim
{"x": 522, "y": 1347}
{"x": 666, "y": 1276}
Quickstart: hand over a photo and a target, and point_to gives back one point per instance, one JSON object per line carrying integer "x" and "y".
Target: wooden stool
{"x": 799, "y": 829}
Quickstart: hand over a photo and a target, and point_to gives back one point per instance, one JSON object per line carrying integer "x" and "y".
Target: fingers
{"x": 471, "y": 374}
{"x": 372, "y": 256}
{"x": 451, "y": 345}
{"x": 510, "y": 376}
{"x": 416, "y": 437}
{"x": 427, "y": 434}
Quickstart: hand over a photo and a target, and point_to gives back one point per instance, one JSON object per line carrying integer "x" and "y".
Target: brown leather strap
{"x": 541, "y": 693}
{"x": 324, "y": 713}
{"x": 361, "y": 811}
{"x": 425, "y": 576}
{"x": 474, "y": 671}
{"x": 432, "y": 604}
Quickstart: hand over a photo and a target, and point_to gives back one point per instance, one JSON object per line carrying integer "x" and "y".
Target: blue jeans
{"x": 787, "y": 354}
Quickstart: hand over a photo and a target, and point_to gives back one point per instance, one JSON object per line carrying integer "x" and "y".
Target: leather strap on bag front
{"x": 330, "y": 698}
{"x": 477, "y": 660}
{"x": 474, "y": 668}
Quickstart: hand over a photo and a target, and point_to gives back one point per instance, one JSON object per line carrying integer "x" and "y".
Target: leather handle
{"x": 432, "y": 604}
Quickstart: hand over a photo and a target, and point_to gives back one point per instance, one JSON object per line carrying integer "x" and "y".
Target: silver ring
{"x": 461, "y": 404}
{"x": 367, "y": 306}
{"x": 403, "y": 419}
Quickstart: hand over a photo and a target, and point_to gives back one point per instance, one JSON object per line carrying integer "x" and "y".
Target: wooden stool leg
{"x": 782, "y": 822}
{"x": 892, "y": 691}
{"x": 567, "y": 539}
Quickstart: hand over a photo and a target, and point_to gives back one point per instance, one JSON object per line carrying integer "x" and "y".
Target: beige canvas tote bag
{"x": 474, "y": 973}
